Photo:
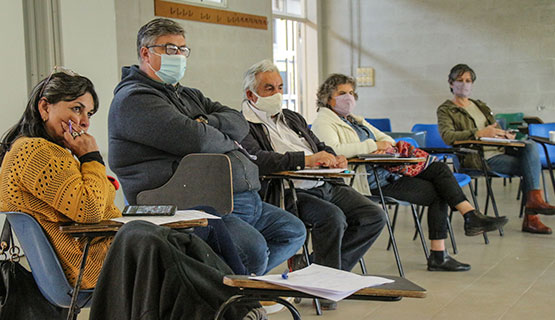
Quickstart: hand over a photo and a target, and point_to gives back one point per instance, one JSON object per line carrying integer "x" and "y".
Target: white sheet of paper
{"x": 501, "y": 140}
{"x": 324, "y": 282}
{"x": 333, "y": 170}
{"x": 180, "y": 215}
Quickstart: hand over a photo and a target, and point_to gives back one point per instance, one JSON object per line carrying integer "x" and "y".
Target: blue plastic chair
{"x": 419, "y": 137}
{"x": 542, "y": 130}
{"x": 382, "y": 124}
{"x": 433, "y": 138}
{"x": 44, "y": 263}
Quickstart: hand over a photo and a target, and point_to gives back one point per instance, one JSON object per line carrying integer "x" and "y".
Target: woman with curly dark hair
{"x": 435, "y": 187}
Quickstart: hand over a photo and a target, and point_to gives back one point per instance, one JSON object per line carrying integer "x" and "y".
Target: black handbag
{"x": 20, "y": 297}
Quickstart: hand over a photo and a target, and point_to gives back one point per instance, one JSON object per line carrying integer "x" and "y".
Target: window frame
{"x": 307, "y": 75}
{"x": 205, "y": 3}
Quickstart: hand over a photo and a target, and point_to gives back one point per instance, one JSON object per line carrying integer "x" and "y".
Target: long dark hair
{"x": 57, "y": 87}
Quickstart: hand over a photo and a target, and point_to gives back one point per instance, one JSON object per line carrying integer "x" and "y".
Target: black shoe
{"x": 441, "y": 261}
{"x": 476, "y": 223}
{"x": 296, "y": 262}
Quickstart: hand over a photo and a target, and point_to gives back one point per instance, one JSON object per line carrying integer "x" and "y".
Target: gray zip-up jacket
{"x": 152, "y": 126}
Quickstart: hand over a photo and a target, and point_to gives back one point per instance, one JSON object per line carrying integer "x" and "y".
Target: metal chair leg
{"x": 477, "y": 207}
{"x": 74, "y": 308}
{"x": 393, "y": 226}
{"x": 522, "y": 205}
{"x": 388, "y": 224}
{"x": 363, "y": 266}
{"x": 544, "y": 187}
{"x": 419, "y": 228}
{"x": 420, "y": 210}
{"x": 451, "y": 233}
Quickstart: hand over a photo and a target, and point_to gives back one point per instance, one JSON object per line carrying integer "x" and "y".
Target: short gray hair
{"x": 330, "y": 85}
{"x": 249, "y": 80}
{"x": 458, "y": 71}
{"x": 148, "y": 33}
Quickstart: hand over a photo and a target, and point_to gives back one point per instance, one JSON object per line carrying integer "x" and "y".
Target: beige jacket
{"x": 334, "y": 132}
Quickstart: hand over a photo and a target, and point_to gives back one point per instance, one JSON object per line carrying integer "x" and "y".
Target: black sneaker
{"x": 441, "y": 261}
{"x": 476, "y": 223}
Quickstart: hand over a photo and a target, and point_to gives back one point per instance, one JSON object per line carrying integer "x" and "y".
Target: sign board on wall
{"x": 188, "y": 12}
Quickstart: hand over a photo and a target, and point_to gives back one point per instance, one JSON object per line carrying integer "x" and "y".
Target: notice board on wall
{"x": 189, "y": 12}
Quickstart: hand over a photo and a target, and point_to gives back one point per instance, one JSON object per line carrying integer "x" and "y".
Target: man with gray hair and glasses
{"x": 154, "y": 122}
{"x": 344, "y": 222}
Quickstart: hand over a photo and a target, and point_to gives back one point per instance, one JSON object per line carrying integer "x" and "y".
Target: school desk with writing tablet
{"x": 89, "y": 231}
{"x": 255, "y": 290}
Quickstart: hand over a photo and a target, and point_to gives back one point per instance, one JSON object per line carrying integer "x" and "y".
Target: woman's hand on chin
{"x": 79, "y": 142}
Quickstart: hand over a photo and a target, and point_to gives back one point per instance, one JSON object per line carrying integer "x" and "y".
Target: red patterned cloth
{"x": 406, "y": 150}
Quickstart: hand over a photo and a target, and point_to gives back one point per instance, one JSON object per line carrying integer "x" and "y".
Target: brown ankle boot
{"x": 532, "y": 224}
{"x": 536, "y": 205}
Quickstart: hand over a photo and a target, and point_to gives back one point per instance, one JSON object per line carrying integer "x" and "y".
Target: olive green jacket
{"x": 456, "y": 124}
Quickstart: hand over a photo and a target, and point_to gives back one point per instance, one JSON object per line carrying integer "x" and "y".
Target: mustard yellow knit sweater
{"x": 44, "y": 180}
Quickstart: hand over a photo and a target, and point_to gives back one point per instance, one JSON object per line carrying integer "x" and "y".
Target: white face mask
{"x": 270, "y": 105}
{"x": 172, "y": 68}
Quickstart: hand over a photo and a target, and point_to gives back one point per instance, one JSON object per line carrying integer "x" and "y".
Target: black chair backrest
{"x": 201, "y": 179}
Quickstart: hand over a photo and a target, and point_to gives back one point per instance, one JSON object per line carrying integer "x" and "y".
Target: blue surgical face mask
{"x": 172, "y": 68}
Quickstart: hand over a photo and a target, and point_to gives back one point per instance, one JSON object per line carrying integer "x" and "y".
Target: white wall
{"x": 13, "y": 83}
{"x": 89, "y": 48}
{"x": 412, "y": 45}
{"x": 220, "y": 54}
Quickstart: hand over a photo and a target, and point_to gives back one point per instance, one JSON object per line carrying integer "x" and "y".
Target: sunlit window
{"x": 294, "y": 8}
{"x": 218, "y": 3}
{"x": 288, "y": 46}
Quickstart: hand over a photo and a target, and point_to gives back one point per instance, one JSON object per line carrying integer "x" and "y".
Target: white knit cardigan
{"x": 344, "y": 140}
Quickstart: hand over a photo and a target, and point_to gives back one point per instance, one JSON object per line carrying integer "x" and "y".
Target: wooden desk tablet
{"x": 255, "y": 290}
{"x": 489, "y": 143}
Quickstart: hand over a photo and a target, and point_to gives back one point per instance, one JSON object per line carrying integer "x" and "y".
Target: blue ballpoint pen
{"x": 285, "y": 274}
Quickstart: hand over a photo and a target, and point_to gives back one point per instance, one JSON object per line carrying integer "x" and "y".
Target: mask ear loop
{"x": 149, "y": 65}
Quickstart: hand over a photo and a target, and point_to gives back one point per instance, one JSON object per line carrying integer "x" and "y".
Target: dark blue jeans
{"x": 524, "y": 162}
{"x": 264, "y": 235}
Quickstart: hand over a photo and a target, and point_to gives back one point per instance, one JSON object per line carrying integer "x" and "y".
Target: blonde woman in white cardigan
{"x": 435, "y": 187}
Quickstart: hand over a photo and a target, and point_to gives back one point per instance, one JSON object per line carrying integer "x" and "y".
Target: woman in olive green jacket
{"x": 462, "y": 118}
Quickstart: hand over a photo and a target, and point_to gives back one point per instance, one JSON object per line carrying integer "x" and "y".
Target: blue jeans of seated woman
{"x": 264, "y": 235}
{"x": 525, "y": 162}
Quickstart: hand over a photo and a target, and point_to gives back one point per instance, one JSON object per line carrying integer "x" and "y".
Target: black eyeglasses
{"x": 172, "y": 49}
{"x": 57, "y": 69}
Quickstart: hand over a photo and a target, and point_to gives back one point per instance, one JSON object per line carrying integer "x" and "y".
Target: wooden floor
{"x": 511, "y": 278}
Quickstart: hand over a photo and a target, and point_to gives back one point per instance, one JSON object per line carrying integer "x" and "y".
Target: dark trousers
{"x": 344, "y": 223}
{"x": 435, "y": 187}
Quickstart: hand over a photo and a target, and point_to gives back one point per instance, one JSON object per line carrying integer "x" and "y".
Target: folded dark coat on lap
{"x": 154, "y": 272}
